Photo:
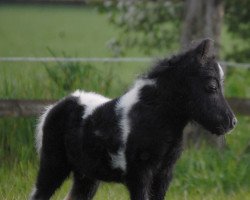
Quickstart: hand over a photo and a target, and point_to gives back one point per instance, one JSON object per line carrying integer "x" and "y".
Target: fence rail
{"x": 29, "y": 108}
{"x": 22, "y": 108}
{"x": 95, "y": 59}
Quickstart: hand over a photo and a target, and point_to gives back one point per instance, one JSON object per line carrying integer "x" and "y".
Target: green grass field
{"x": 204, "y": 174}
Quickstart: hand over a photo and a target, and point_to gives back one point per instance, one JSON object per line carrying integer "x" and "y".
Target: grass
{"x": 200, "y": 174}
{"x": 31, "y": 30}
{"x": 75, "y": 30}
{"x": 205, "y": 174}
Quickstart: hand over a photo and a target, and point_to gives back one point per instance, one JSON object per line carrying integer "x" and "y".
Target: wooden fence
{"x": 28, "y": 108}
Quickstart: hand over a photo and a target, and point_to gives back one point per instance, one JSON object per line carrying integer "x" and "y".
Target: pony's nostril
{"x": 234, "y": 122}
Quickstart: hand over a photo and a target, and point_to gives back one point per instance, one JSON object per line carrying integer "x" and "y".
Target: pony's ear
{"x": 203, "y": 50}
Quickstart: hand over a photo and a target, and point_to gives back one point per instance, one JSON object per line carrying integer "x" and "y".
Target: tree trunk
{"x": 203, "y": 19}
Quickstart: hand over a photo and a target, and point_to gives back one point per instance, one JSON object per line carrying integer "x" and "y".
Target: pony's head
{"x": 196, "y": 80}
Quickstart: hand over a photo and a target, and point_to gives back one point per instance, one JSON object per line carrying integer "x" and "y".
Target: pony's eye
{"x": 211, "y": 87}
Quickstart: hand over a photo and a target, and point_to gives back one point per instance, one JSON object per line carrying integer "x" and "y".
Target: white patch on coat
{"x": 32, "y": 194}
{"x": 119, "y": 160}
{"x": 90, "y": 101}
{"x": 68, "y": 196}
{"x": 221, "y": 71}
{"x": 39, "y": 129}
{"x": 123, "y": 107}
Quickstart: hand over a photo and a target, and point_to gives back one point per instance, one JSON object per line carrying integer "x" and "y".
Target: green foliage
{"x": 145, "y": 25}
{"x": 237, "y": 82}
{"x": 16, "y": 140}
{"x": 151, "y": 26}
{"x": 237, "y": 17}
{"x": 69, "y": 76}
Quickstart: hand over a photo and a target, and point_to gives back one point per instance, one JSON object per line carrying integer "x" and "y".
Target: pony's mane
{"x": 164, "y": 65}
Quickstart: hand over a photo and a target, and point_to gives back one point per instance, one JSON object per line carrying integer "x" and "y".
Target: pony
{"x": 134, "y": 139}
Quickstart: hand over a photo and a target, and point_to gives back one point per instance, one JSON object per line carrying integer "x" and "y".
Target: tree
{"x": 160, "y": 24}
{"x": 156, "y": 24}
{"x": 144, "y": 24}
{"x": 203, "y": 19}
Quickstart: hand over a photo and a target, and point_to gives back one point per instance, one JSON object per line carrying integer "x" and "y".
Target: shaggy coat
{"x": 134, "y": 139}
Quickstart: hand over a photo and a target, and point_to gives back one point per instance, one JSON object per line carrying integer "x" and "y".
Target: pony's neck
{"x": 165, "y": 103}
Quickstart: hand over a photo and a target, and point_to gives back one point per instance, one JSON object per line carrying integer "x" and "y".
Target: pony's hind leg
{"x": 51, "y": 174}
{"x": 52, "y": 129}
{"x": 54, "y": 167}
{"x": 83, "y": 188}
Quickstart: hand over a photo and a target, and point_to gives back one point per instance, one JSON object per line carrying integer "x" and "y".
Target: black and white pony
{"x": 134, "y": 139}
